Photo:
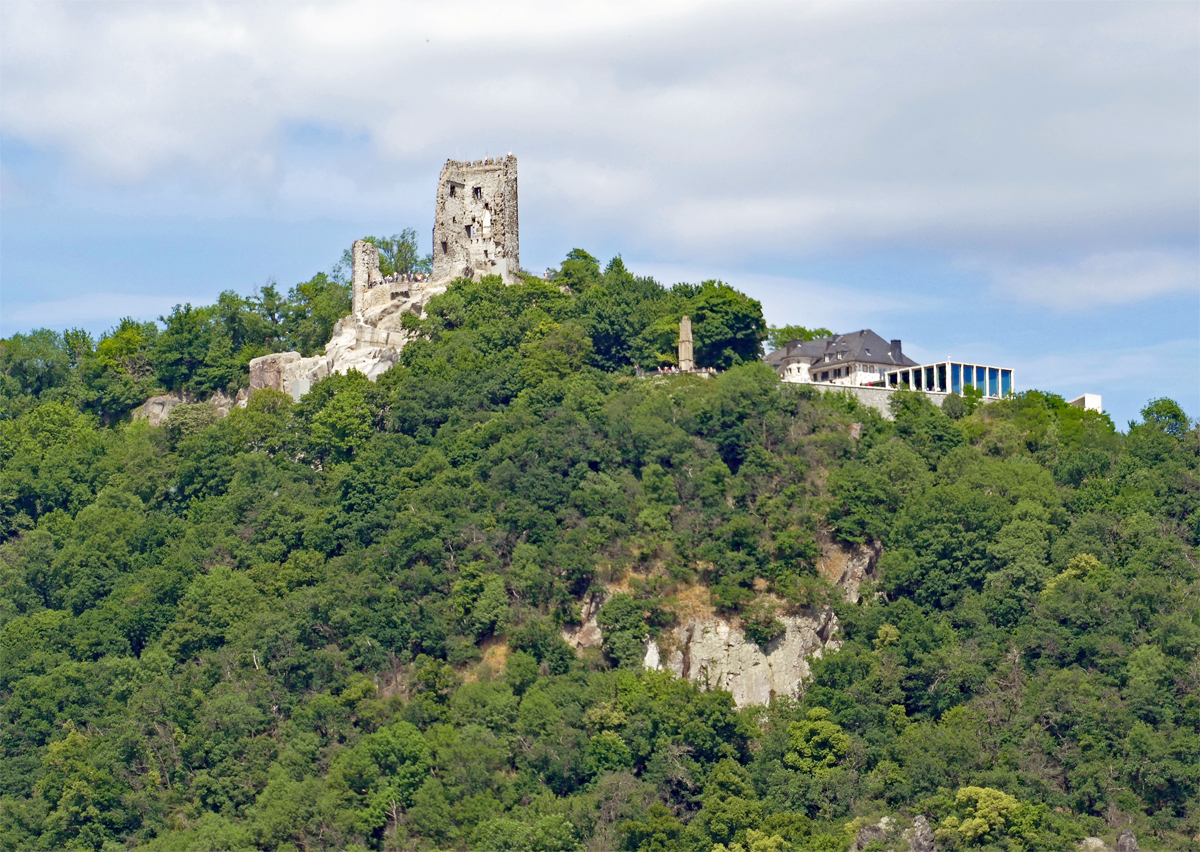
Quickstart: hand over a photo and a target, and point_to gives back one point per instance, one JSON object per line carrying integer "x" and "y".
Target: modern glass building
{"x": 953, "y": 377}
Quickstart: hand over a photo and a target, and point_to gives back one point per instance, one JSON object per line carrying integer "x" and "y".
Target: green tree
{"x": 731, "y": 807}
{"x": 1165, "y": 414}
{"x": 399, "y": 253}
{"x": 817, "y": 744}
{"x": 779, "y": 336}
{"x": 119, "y": 375}
{"x": 659, "y": 831}
{"x": 33, "y": 366}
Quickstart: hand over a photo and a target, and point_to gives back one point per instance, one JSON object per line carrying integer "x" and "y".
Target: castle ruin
{"x": 474, "y": 234}
{"x": 475, "y": 230}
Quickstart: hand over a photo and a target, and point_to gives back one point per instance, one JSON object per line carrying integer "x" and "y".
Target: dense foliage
{"x": 336, "y": 624}
{"x": 198, "y": 350}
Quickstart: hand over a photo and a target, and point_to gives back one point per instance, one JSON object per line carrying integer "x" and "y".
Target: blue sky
{"x": 1015, "y": 184}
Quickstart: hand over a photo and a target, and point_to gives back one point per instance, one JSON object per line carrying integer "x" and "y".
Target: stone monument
{"x": 687, "y": 362}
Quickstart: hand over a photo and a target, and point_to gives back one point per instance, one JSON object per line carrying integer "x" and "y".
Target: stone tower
{"x": 366, "y": 274}
{"x": 475, "y": 227}
{"x": 687, "y": 361}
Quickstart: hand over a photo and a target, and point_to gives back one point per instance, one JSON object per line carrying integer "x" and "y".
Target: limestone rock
{"x": 920, "y": 836}
{"x": 157, "y": 409}
{"x": 224, "y": 403}
{"x": 866, "y": 835}
{"x": 717, "y": 655}
{"x": 1093, "y": 844}
{"x": 355, "y": 345}
{"x": 1126, "y": 842}
{"x": 587, "y": 633}
{"x": 847, "y": 566}
{"x": 267, "y": 371}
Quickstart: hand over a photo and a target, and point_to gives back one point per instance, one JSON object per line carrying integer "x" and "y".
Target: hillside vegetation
{"x": 336, "y": 624}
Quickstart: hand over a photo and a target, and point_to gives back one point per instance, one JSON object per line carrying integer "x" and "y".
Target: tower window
{"x": 478, "y": 192}
{"x": 468, "y": 229}
{"x": 444, "y": 249}
{"x": 451, "y": 190}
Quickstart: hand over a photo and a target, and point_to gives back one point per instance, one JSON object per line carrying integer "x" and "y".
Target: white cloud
{"x": 1129, "y": 376}
{"x": 721, "y": 131}
{"x": 795, "y": 301}
{"x": 1101, "y": 280}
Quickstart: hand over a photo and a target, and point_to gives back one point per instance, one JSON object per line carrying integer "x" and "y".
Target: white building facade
{"x": 954, "y": 377}
{"x": 859, "y": 359}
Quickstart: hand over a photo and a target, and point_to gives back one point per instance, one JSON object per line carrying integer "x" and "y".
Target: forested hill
{"x": 336, "y": 624}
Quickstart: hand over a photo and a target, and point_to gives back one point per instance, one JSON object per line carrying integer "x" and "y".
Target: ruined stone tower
{"x": 475, "y": 228}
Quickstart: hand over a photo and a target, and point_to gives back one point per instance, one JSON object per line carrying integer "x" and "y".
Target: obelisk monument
{"x": 687, "y": 362}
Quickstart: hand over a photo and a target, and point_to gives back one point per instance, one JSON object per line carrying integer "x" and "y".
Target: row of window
{"x": 477, "y": 192}
{"x": 993, "y": 381}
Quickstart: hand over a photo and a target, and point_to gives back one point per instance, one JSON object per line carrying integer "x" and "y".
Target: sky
{"x": 1015, "y": 184}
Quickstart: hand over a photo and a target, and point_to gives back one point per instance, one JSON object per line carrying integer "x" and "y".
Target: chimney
{"x": 896, "y": 349}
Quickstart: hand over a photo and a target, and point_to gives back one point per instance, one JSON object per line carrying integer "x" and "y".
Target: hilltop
{"x": 357, "y": 620}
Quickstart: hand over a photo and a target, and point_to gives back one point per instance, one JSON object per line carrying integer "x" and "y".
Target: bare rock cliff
{"x": 718, "y": 655}
{"x": 157, "y": 409}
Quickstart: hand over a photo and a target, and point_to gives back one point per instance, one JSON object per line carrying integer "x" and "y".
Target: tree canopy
{"x": 338, "y": 623}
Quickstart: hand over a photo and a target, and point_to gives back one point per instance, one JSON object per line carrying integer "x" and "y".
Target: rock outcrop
{"x": 920, "y": 836}
{"x": 157, "y": 409}
{"x": 587, "y": 633}
{"x": 369, "y": 340}
{"x": 847, "y": 566}
{"x": 872, "y": 833}
{"x": 1126, "y": 842}
{"x": 718, "y": 655}
{"x": 887, "y": 834}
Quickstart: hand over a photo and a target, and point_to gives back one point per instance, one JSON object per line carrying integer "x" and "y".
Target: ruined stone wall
{"x": 365, "y": 256}
{"x": 475, "y": 230}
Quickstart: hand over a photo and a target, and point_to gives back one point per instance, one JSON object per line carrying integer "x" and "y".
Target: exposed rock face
{"x": 1126, "y": 842}
{"x": 920, "y": 836}
{"x": 354, "y": 346}
{"x": 358, "y": 346}
{"x": 225, "y": 403}
{"x": 587, "y": 633}
{"x": 847, "y": 567}
{"x": 1093, "y": 844}
{"x": 869, "y": 834}
{"x": 887, "y": 834}
{"x": 718, "y": 655}
{"x": 157, "y": 409}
